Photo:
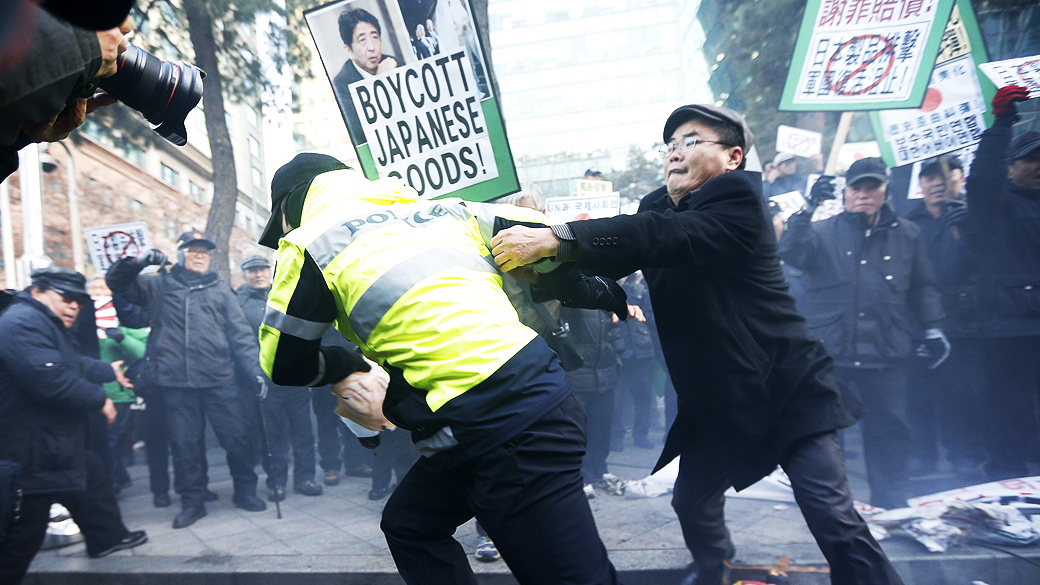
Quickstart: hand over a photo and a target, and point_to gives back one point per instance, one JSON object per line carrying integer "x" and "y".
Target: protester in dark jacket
{"x": 636, "y": 377}
{"x": 867, "y": 282}
{"x": 598, "y": 339}
{"x": 753, "y": 389}
{"x": 199, "y": 336}
{"x": 943, "y": 403}
{"x": 46, "y": 390}
{"x": 1004, "y": 204}
{"x": 287, "y": 409}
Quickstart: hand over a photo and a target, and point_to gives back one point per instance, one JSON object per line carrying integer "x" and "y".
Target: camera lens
{"x": 163, "y": 91}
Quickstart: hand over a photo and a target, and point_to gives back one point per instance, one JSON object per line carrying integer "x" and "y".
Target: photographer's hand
{"x": 113, "y": 43}
{"x": 61, "y": 125}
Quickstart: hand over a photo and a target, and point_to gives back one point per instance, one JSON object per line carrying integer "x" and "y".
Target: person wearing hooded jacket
{"x": 199, "y": 337}
{"x": 411, "y": 283}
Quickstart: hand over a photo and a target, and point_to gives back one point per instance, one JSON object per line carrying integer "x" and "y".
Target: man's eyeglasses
{"x": 685, "y": 144}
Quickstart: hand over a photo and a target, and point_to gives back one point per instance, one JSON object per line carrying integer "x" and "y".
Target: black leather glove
{"x": 955, "y": 212}
{"x": 822, "y": 190}
{"x": 578, "y": 291}
{"x": 115, "y": 334}
{"x": 152, "y": 257}
{"x": 261, "y": 388}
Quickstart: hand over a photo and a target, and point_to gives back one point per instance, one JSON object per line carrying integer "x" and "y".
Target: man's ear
{"x": 736, "y": 157}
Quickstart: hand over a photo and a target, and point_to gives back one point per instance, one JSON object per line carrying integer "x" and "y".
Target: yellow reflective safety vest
{"x": 415, "y": 288}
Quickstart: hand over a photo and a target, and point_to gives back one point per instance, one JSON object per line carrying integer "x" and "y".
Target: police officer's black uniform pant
{"x": 94, "y": 510}
{"x": 817, "y": 472}
{"x": 187, "y": 410}
{"x": 886, "y": 433}
{"x": 526, "y": 493}
{"x": 1012, "y": 436}
{"x": 288, "y": 414}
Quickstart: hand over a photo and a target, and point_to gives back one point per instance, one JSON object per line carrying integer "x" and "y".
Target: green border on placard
{"x": 931, "y": 51}
{"x": 978, "y": 55}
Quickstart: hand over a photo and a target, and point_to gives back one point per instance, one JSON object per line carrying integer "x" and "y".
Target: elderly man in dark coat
{"x": 754, "y": 390}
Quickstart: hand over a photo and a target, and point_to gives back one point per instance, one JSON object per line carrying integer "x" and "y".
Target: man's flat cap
{"x": 65, "y": 281}
{"x": 1024, "y": 145}
{"x": 715, "y": 113}
{"x": 254, "y": 262}
{"x": 867, "y": 168}
{"x": 192, "y": 237}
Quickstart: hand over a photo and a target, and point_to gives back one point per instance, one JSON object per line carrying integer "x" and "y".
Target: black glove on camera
{"x": 822, "y": 190}
{"x": 578, "y": 291}
{"x": 115, "y": 334}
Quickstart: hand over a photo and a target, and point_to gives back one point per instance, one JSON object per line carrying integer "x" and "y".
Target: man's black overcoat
{"x": 749, "y": 381}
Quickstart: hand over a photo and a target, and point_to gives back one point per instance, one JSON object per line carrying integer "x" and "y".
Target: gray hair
{"x": 528, "y": 190}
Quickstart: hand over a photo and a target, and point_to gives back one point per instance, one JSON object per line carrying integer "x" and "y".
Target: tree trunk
{"x": 225, "y": 184}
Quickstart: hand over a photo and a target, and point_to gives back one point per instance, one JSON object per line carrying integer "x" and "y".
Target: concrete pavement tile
{"x": 289, "y": 528}
{"x": 331, "y": 541}
{"x": 163, "y": 545}
{"x": 220, "y": 525}
{"x": 241, "y": 544}
{"x": 275, "y": 549}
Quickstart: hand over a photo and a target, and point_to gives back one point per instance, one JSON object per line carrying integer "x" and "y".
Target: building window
{"x": 170, "y": 176}
{"x": 254, "y": 147}
{"x": 171, "y": 229}
{"x": 258, "y": 178}
{"x": 134, "y": 205}
{"x": 134, "y": 153}
{"x": 196, "y": 192}
{"x": 252, "y": 116}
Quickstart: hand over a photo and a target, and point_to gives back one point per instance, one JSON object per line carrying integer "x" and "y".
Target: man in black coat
{"x": 943, "y": 403}
{"x": 1004, "y": 215}
{"x": 287, "y": 409}
{"x": 753, "y": 389}
{"x": 199, "y": 337}
{"x": 868, "y": 281}
{"x": 47, "y": 388}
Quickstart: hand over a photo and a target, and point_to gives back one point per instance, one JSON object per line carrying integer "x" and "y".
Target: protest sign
{"x": 965, "y": 156}
{"x": 797, "y": 141}
{"x": 108, "y": 244}
{"x": 954, "y": 112}
{"x": 411, "y": 83}
{"x": 564, "y": 209}
{"x": 1023, "y": 71}
{"x": 789, "y": 203}
{"x": 851, "y": 152}
{"x": 587, "y": 188}
{"x": 864, "y": 55}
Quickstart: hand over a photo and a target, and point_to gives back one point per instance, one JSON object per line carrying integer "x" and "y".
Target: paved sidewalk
{"x": 335, "y": 538}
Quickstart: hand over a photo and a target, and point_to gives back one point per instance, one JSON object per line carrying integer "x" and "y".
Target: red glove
{"x": 1004, "y": 101}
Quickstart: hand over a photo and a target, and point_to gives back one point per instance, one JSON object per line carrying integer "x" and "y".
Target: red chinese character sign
{"x": 1024, "y": 71}
{"x": 864, "y": 54}
{"x": 110, "y": 243}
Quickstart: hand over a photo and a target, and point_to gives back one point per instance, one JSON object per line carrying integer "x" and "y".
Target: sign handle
{"x": 839, "y": 140}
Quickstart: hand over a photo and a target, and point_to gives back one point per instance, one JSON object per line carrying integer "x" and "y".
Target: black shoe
{"x": 249, "y": 503}
{"x": 332, "y": 477}
{"x": 133, "y": 539}
{"x": 161, "y": 500}
{"x": 211, "y": 496}
{"x": 307, "y": 488}
{"x": 189, "y": 516}
{"x": 276, "y": 494}
{"x": 377, "y": 494}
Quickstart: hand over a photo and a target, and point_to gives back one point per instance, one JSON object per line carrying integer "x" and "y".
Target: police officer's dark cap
{"x": 64, "y": 281}
{"x": 867, "y": 168}
{"x": 1024, "y": 145}
{"x": 194, "y": 236}
{"x": 715, "y": 113}
{"x": 254, "y": 262}
{"x": 292, "y": 177}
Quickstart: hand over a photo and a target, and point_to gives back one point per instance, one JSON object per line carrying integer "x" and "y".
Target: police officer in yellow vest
{"x": 411, "y": 282}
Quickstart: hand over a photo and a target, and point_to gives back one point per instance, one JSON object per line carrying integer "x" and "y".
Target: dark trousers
{"x": 117, "y": 433}
{"x": 338, "y": 448}
{"x": 817, "y": 472}
{"x": 396, "y": 453}
{"x": 635, "y": 382}
{"x": 526, "y": 493}
{"x": 94, "y": 510}
{"x": 288, "y": 413}
{"x": 886, "y": 433}
{"x": 943, "y": 405}
{"x": 599, "y": 414}
{"x": 157, "y": 442}
{"x": 187, "y": 410}
{"x": 1013, "y": 436}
